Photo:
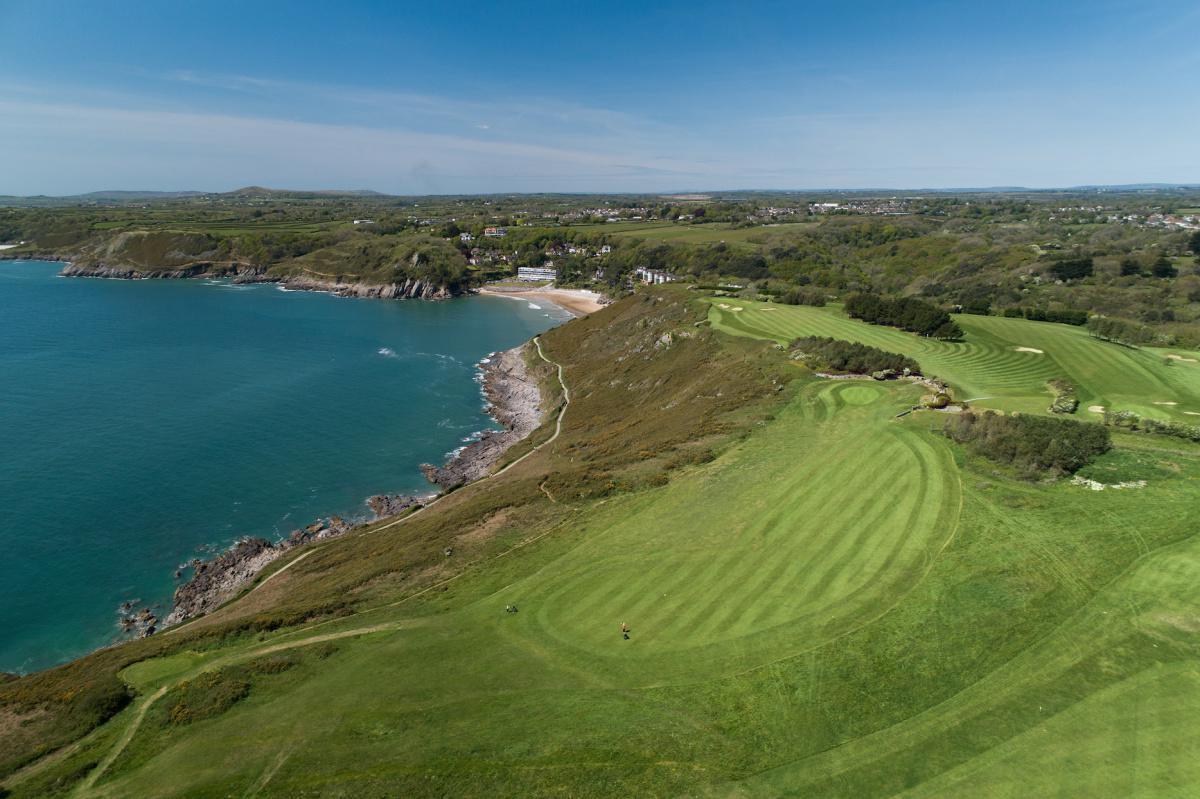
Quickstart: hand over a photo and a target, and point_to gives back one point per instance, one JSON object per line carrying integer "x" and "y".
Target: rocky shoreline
{"x": 514, "y": 401}
{"x": 410, "y": 288}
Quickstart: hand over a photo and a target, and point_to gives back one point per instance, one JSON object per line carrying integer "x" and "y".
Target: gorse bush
{"x": 1119, "y": 331}
{"x": 208, "y": 695}
{"x": 1132, "y": 421}
{"x": 814, "y": 297}
{"x": 906, "y": 313}
{"x": 1033, "y": 444}
{"x": 836, "y": 355}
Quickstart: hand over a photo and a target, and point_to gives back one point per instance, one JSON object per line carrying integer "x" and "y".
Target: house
{"x": 605, "y": 249}
{"x": 465, "y": 237}
{"x": 535, "y": 273}
{"x": 493, "y": 232}
{"x": 653, "y": 276}
{"x": 364, "y": 221}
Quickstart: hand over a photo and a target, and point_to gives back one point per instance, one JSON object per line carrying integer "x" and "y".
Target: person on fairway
{"x": 625, "y": 631}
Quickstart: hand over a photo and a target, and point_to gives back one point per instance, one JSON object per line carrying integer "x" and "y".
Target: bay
{"x": 145, "y": 423}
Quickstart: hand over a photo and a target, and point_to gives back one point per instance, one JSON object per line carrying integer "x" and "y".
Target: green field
{"x": 839, "y": 603}
{"x": 989, "y": 364}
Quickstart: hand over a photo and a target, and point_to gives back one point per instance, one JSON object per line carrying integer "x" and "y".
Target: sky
{"x": 474, "y": 97}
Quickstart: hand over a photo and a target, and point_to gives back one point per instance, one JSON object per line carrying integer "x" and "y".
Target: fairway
{"x": 1001, "y": 363}
{"x": 859, "y": 506}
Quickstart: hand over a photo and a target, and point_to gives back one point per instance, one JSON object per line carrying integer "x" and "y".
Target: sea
{"x": 145, "y": 423}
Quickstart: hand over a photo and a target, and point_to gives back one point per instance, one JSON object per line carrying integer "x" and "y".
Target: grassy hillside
{"x": 1003, "y": 363}
{"x": 824, "y": 600}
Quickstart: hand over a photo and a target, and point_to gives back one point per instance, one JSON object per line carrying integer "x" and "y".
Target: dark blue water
{"x": 143, "y": 422}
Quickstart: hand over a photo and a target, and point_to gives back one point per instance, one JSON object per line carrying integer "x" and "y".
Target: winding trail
{"x": 88, "y": 783}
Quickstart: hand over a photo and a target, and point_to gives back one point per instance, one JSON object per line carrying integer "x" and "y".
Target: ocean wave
{"x": 387, "y": 352}
{"x": 535, "y": 307}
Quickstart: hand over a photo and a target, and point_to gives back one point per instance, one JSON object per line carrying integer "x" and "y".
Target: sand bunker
{"x": 1192, "y": 413}
{"x": 1030, "y": 349}
{"x": 1181, "y": 358}
{"x": 1096, "y": 408}
{"x": 1166, "y": 402}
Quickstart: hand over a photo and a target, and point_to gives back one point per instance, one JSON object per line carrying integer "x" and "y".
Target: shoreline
{"x": 514, "y": 401}
{"x": 577, "y": 302}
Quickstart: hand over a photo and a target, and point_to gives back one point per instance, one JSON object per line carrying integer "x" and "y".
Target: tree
{"x": 1164, "y": 268}
{"x": 1130, "y": 267}
{"x": 1194, "y": 243}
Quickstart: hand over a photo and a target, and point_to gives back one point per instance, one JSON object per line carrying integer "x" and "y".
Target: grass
{"x": 989, "y": 366}
{"x": 831, "y": 602}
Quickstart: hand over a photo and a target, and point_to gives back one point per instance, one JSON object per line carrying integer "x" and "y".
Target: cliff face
{"x": 129, "y": 272}
{"x": 408, "y": 289}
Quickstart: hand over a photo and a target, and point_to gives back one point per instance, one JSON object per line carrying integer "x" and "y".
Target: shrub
{"x": 1033, "y": 444}
{"x": 1131, "y": 421}
{"x": 1119, "y": 331}
{"x": 832, "y": 354}
{"x": 1071, "y": 269}
{"x": 906, "y": 313}
{"x": 803, "y": 297}
{"x": 208, "y": 695}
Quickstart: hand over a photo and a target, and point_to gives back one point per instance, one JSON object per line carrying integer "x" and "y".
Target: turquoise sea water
{"x": 144, "y": 423}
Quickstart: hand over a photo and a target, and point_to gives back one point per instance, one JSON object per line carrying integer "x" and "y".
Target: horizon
{"x": 468, "y": 101}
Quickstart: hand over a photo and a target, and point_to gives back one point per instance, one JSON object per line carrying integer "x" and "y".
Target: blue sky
{"x": 607, "y": 96}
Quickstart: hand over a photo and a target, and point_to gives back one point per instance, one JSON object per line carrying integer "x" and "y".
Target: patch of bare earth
{"x": 484, "y": 530}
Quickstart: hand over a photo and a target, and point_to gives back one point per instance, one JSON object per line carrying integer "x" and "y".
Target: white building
{"x": 653, "y": 276}
{"x": 535, "y": 273}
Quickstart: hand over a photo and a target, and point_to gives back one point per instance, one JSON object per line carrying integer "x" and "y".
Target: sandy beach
{"x": 580, "y": 302}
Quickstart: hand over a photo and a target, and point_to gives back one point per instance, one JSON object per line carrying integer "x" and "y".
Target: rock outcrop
{"x": 384, "y": 505}
{"x": 409, "y": 289}
{"x": 514, "y": 401}
{"x": 217, "y": 580}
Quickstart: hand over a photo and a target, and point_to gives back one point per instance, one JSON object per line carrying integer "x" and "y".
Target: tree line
{"x": 906, "y": 313}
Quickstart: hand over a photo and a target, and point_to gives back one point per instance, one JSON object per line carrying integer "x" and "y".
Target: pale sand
{"x": 1164, "y": 402}
{"x": 1030, "y": 349}
{"x": 580, "y": 302}
{"x": 1192, "y": 413}
{"x": 1096, "y": 408}
{"x": 1174, "y": 357}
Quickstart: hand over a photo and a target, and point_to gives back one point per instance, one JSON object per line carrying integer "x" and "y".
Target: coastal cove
{"x": 150, "y": 422}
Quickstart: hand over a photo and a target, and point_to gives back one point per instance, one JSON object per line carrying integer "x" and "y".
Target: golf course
{"x": 822, "y": 599}
{"x": 1001, "y": 363}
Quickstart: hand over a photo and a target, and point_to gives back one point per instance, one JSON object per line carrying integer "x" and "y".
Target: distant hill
{"x": 261, "y": 191}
